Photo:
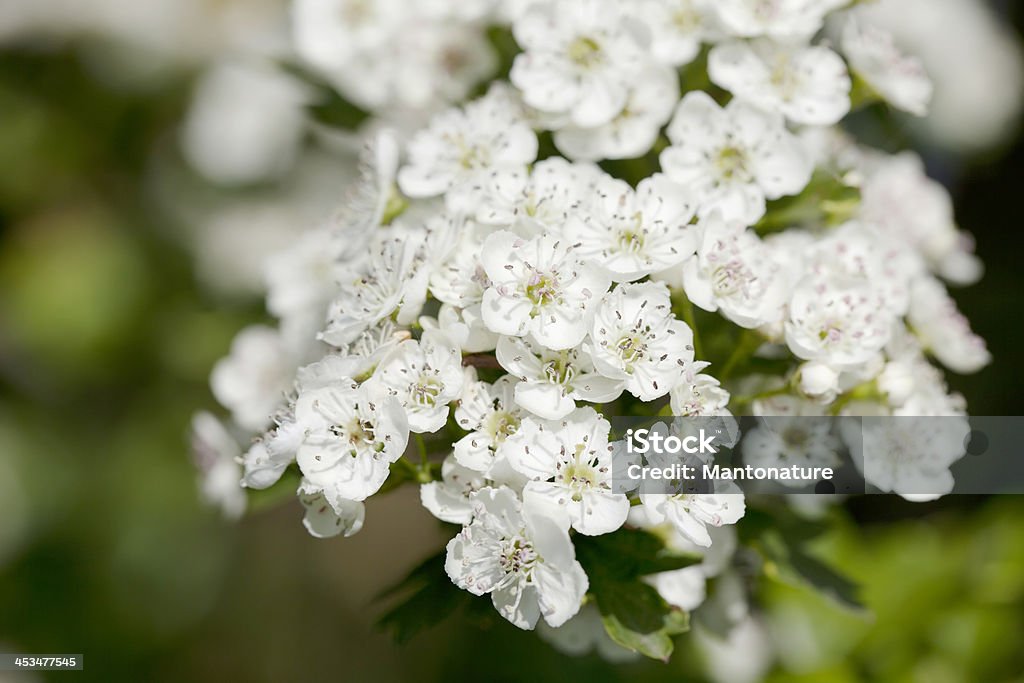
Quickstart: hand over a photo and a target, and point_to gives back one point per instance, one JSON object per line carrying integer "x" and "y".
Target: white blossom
{"x": 735, "y": 272}
{"x": 461, "y": 147}
{"x": 733, "y": 159}
{"x": 524, "y": 560}
{"x": 781, "y": 19}
{"x": 874, "y": 57}
{"x": 692, "y": 513}
{"x": 490, "y": 414}
{"x": 450, "y": 499}
{"x": 808, "y": 85}
{"x": 216, "y": 453}
{"x": 350, "y": 439}
{"x": 635, "y": 233}
{"x": 253, "y": 379}
{"x": 424, "y": 376}
{"x": 943, "y": 329}
{"x": 637, "y": 340}
{"x": 579, "y": 57}
{"x": 569, "y": 464}
{"x": 678, "y": 27}
{"x": 329, "y": 516}
{"x": 550, "y": 382}
{"x": 541, "y": 287}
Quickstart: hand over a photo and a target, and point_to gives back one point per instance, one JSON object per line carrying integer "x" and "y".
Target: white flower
{"x": 253, "y": 380}
{"x": 908, "y": 206}
{"x": 538, "y": 200}
{"x": 459, "y": 278}
{"x": 245, "y": 124}
{"x": 803, "y": 440}
{"x": 350, "y": 439}
{"x": 569, "y": 463}
{"x": 818, "y": 380}
{"x": 392, "y": 278}
{"x": 552, "y": 381}
{"x": 424, "y": 376}
{"x": 578, "y": 58}
{"x": 735, "y": 272}
{"x": 524, "y": 560}
{"x": 461, "y": 147}
{"x": 637, "y": 340}
{"x": 900, "y": 80}
{"x": 450, "y": 499}
{"x": 540, "y": 287}
{"x": 490, "y": 414}
{"x": 632, "y": 234}
{"x": 699, "y": 395}
{"x": 783, "y": 19}
{"x": 329, "y": 516}
{"x": 366, "y": 200}
{"x": 652, "y": 97}
{"x": 678, "y": 27}
{"x": 465, "y": 326}
{"x": 268, "y": 457}
{"x": 910, "y": 456}
{"x": 837, "y": 322}
{"x": 327, "y": 33}
{"x": 732, "y": 159}
{"x": 943, "y": 329}
{"x": 808, "y": 85}
{"x": 216, "y": 453}
{"x": 691, "y": 513}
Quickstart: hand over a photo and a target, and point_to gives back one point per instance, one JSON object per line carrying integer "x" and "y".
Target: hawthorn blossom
{"x": 690, "y": 514}
{"x": 490, "y": 414}
{"x": 735, "y": 272}
{"x": 253, "y": 379}
{"x": 461, "y": 147}
{"x": 215, "y": 453}
{"x": 837, "y": 322}
{"x": 327, "y": 517}
{"x": 652, "y": 98}
{"x": 350, "y": 439}
{"x": 733, "y": 159}
{"x": 635, "y": 233}
{"x": 525, "y": 561}
{"x": 781, "y": 19}
{"x": 699, "y": 395}
{"x": 541, "y": 287}
{"x": 943, "y": 329}
{"x": 539, "y": 200}
{"x": 450, "y": 500}
{"x": 391, "y": 279}
{"x": 808, "y": 85}
{"x": 578, "y": 59}
{"x": 550, "y": 382}
{"x": 637, "y": 340}
{"x": 873, "y": 57}
{"x": 424, "y": 376}
{"x": 569, "y": 465}
{"x": 678, "y": 27}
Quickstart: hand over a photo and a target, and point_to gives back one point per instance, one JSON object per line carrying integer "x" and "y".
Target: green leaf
{"x": 794, "y": 566}
{"x": 429, "y": 597}
{"x": 633, "y": 612}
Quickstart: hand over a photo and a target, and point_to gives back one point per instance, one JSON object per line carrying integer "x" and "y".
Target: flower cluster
{"x": 490, "y": 295}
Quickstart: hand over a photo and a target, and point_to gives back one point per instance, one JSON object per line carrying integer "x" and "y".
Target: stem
{"x": 748, "y": 343}
{"x": 481, "y": 360}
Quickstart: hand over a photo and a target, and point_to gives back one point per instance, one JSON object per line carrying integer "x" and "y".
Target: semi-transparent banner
{"x": 916, "y": 457}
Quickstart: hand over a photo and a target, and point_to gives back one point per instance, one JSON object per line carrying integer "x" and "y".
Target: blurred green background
{"x": 106, "y": 340}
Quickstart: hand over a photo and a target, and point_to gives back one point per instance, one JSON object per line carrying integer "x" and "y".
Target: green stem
{"x": 748, "y": 343}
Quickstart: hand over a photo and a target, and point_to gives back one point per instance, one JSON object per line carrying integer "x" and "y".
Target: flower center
{"x": 631, "y": 239}
{"x": 579, "y": 477}
{"x": 732, "y": 163}
{"x": 425, "y": 391}
{"x": 358, "y": 433}
{"x": 542, "y": 288}
{"x": 631, "y": 348}
{"x": 559, "y": 371}
{"x": 726, "y": 280}
{"x": 501, "y": 425}
{"x": 584, "y": 52}
{"x": 518, "y": 556}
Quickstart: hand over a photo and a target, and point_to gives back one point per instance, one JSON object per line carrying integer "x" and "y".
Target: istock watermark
{"x": 916, "y": 457}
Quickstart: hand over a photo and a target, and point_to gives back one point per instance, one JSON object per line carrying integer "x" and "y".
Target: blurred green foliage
{"x": 105, "y": 344}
